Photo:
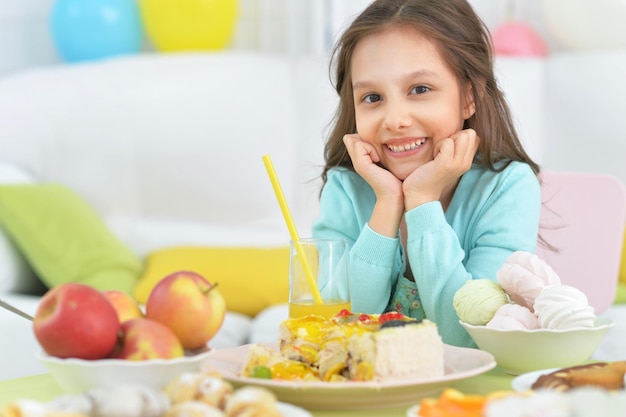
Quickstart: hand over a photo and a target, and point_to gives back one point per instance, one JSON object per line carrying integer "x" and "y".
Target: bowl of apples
{"x": 78, "y": 375}
{"x": 92, "y": 338}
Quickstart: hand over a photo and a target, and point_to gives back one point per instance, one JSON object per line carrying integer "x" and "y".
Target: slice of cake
{"x": 358, "y": 347}
{"x": 398, "y": 350}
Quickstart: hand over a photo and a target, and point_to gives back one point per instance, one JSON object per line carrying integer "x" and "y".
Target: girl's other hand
{"x": 387, "y": 212}
{"x": 365, "y": 160}
{"x": 437, "y": 179}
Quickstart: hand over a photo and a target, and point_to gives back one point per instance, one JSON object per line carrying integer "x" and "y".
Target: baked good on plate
{"x": 196, "y": 394}
{"x": 356, "y": 347}
{"x": 608, "y": 375}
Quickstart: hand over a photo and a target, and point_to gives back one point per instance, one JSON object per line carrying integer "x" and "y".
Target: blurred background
{"x": 142, "y": 137}
{"x": 30, "y": 36}
{"x": 560, "y": 62}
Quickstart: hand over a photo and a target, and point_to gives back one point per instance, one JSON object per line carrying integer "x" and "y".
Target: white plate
{"x": 413, "y": 411}
{"x": 460, "y": 363}
{"x": 290, "y": 410}
{"x": 525, "y": 381}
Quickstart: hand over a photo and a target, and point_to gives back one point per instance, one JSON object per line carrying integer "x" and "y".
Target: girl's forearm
{"x": 386, "y": 217}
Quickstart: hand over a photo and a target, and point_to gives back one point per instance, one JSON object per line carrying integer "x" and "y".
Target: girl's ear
{"x": 469, "y": 106}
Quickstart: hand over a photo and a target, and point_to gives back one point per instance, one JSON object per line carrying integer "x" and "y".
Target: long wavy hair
{"x": 464, "y": 43}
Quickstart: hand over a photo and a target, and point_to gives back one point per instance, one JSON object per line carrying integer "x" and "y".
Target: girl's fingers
{"x": 465, "y": 146}
{"x": 360, "y": 150}
{"x": 456, "y": 153}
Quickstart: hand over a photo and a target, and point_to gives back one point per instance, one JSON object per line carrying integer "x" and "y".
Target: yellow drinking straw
{"x": 282, "y": 202}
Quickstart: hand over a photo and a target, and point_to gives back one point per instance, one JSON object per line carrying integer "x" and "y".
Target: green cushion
{"x": 64, "y": 239}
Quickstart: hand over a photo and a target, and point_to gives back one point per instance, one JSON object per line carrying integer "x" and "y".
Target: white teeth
{"x": 407, "y": 147}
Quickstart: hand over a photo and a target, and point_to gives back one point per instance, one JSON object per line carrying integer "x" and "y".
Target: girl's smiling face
{"x": 406, "y": 97}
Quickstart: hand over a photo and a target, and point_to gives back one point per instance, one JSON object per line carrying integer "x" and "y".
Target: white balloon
{"x": 586, "y": 24}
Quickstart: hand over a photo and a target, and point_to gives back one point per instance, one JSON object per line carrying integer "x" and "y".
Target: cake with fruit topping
{"x": 355, "y": 347}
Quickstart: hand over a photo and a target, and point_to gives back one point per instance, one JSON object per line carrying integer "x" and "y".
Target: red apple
{"x": 142, "y": 339}
{"x": 75, "y": 320}
{"x": 126, "y": 306}
{"x": 189, "y": 305}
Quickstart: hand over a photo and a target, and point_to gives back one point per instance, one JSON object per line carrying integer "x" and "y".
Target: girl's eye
{"x": 419, "y": 89}
{"x": 371, "y": 98}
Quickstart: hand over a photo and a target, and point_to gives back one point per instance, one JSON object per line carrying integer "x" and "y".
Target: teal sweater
{"x": 491, "y": 215}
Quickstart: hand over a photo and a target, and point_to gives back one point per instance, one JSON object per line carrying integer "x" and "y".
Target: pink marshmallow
{"x": 523, "y": 276}
{"x": 513, "y": 317}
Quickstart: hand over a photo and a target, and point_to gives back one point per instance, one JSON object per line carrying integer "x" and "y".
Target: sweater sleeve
{"x": 499, "y": 216}
{"x": 345, "y": 208}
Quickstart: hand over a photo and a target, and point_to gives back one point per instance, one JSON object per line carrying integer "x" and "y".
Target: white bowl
{"x": 79, "y": 375}
{"x": 521, "y": 351}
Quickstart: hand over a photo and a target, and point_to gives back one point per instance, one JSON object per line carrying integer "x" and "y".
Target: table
{"x": 44, "y": 388}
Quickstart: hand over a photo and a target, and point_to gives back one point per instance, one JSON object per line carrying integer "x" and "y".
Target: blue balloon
{"x": 93, "y": 29}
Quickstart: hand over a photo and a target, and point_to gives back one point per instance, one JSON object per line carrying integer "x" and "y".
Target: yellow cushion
{"x": 250, "y": 278}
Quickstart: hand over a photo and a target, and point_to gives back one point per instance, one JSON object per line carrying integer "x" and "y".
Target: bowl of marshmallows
{"x": 528, "y": 320}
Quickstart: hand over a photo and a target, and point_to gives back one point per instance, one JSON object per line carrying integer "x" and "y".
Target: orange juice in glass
{"x": 327, "y": 264}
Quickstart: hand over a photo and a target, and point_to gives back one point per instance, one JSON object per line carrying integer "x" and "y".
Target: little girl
{"x": 425, "y": 175}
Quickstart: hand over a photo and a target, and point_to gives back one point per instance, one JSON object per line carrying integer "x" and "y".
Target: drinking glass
{"x": 318, "y": 265}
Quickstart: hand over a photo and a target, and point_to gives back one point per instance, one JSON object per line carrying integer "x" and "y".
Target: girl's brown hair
{"x": 465, "y": 44}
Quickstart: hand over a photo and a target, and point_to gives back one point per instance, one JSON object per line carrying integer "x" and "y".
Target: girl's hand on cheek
{"x": 453, "y": 157}
{"x": 365, "y": 160}
{"x": 456, "y": 153}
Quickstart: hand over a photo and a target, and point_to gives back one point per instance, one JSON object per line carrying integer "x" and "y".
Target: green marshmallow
{"x": 477, "y": 300}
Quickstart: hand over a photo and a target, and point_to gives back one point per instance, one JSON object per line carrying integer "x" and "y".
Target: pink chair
{"x": 583, "y": 218}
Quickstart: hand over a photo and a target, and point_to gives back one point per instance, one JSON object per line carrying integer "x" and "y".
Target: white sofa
{"x": 167, "y": 148}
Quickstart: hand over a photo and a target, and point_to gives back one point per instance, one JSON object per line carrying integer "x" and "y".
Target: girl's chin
{"x": 401, "y": 172}
{"x": 400, "y": 175}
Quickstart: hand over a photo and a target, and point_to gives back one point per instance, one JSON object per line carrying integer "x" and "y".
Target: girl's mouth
{"x": 406, "y": 147}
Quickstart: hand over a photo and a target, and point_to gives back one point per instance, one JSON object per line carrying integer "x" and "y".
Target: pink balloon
{"x": 518, "y": 39}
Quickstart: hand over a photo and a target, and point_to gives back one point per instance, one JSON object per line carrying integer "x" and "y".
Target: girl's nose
{"x": 397, "y": 115}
